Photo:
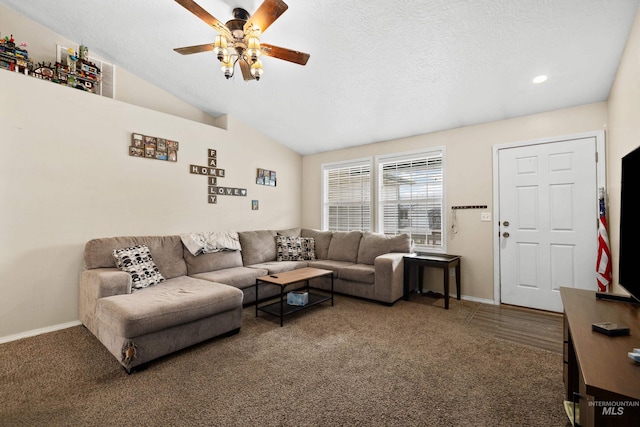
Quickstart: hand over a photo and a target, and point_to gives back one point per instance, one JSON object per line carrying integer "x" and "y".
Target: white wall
{"x": 624, "y": 131}
{"x": 468, "y": 179}
{"x": 66, "y": 177}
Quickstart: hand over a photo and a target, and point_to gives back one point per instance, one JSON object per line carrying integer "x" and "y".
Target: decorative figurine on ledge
{"x": 71, "y": 61}
{"x": 14, "y": 58}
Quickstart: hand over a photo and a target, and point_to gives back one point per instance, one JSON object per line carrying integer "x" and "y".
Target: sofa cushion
{"x": 290, "y": 232}
{"x": 328, "y": 264}
{"x": 257, "y": 246}
{"x": 344, "y": 246}
{"x": 322, "y": 239}
{"x": 210, "y": 262}
{"x": 174, "y": 302}
{"x": 295, "y": 248}
{"x": 166, "y": 250}
{"x": 363, "y": 273}
{"x": 239, "y": 277}
{"x": 375, "y": 244}
{"x": 274, "y": 267}
{"x": 138, "y": 262}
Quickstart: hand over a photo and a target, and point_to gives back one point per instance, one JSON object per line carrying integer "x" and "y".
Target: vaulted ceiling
{"x": 379, "y": 69}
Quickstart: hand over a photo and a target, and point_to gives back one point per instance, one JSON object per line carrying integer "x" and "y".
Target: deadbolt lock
{"x": 505, "y": 223}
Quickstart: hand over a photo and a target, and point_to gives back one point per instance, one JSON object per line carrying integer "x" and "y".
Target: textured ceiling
{"x": 379, "y": 69}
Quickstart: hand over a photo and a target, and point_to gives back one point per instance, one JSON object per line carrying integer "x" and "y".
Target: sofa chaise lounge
{"x": 202, "y": 296}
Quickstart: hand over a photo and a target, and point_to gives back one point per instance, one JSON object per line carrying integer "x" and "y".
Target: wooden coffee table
{"x": 281, "y": 308}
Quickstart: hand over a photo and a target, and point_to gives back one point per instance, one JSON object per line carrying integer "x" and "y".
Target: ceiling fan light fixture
{"x": 238, "y": 40}
{"x": 256, "y": 69}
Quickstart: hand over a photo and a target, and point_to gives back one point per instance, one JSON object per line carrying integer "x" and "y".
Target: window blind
{"x": 348, "y": 197}
{"x": 410, "y": 197}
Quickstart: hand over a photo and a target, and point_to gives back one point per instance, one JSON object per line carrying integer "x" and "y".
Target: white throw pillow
{"x": 138, "y": 262}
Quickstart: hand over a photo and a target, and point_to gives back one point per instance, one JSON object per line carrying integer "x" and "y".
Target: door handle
{"x": 505, "y": 234}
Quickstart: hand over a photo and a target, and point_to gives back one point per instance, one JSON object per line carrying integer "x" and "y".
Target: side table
{"x": 416, "y": 263}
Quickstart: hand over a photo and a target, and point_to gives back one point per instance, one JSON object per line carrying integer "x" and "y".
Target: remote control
{"x": 611, "y": 329}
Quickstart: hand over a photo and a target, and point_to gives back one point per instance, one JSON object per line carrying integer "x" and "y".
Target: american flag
{"x": 603, "y": 264}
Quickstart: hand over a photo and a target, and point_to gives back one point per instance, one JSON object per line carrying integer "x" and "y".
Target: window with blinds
{"x": 410, "y": 197}
{"x": 347, "y": 196}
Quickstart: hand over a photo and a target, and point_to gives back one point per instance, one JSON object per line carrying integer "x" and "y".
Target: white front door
{"x": 548, "y": 221}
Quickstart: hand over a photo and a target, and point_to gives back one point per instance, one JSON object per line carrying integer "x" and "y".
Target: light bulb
{"x": 253, "y": 49}
{"x": 227, "y": 67}
{"x": 220, "y": 47}
{"x": 256, "y": 69}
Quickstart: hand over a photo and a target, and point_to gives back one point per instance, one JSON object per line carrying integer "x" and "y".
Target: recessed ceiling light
{"x": 540, "y": 79}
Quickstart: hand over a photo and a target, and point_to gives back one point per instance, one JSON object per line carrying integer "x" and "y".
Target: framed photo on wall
{"x": 136, "y": 140}
{"x": 152, "y": 147}
{"x": 266, "y": 177}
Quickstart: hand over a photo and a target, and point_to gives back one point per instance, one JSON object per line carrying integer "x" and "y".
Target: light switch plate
{"x": 485, "y": 216}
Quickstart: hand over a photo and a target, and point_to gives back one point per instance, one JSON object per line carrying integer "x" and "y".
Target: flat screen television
{"x": 629, "y": 255}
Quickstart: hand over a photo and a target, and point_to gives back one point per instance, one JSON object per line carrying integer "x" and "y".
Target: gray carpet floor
{"x": 358, "y": 363}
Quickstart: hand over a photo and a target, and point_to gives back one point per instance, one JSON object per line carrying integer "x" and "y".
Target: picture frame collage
{"x": 152, "y": 147}
{"x": 266, "y": 177}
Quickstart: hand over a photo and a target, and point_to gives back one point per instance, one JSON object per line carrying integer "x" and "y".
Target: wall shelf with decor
{"x": 14, "y": 58}
{"x": 72, "y": 68}
{"x": 78, "y": 69}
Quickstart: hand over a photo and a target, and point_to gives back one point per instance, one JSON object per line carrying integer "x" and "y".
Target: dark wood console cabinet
{"x": 598, "y": 375}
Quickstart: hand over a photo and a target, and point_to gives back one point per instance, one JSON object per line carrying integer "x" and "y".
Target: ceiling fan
{"x": 238, "y": 40}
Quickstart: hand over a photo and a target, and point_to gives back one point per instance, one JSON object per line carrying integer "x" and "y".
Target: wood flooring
{"x": 536, "y": 328}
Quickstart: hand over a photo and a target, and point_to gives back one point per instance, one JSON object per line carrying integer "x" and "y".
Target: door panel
{"x": 548, "y": 197}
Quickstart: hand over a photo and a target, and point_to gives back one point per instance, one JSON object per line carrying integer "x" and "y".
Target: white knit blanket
{"x": 211, "y": 241}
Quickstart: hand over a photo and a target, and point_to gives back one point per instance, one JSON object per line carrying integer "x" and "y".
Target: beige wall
{"x": 624, "y": 131}
{"x": 66, "y": 177}
{"x": 468, "y": 179}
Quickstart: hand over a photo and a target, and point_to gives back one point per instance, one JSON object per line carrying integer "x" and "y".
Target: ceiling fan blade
{"x": 267, "y": 13}
{"x": 197, "y": 10}
{"x": 285, "y": 54}
{"x": 246, "y": 70}
{"x": 194, "y": 49}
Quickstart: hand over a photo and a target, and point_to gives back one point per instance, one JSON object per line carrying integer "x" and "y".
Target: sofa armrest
{"x": 99, "y": 283}
{"x": 389, "y": 277}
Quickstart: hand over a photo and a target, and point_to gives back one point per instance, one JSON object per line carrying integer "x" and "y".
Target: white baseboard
{"x": 35, "y": 332}
{"x": 480, "y": 300}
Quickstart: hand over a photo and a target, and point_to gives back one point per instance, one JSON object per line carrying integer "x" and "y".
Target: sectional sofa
{"x": 201, "y": 296}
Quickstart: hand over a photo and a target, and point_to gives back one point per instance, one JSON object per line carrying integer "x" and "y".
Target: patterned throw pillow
{"x": 137, "y": 261}
{"x": 295, "y": 248}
